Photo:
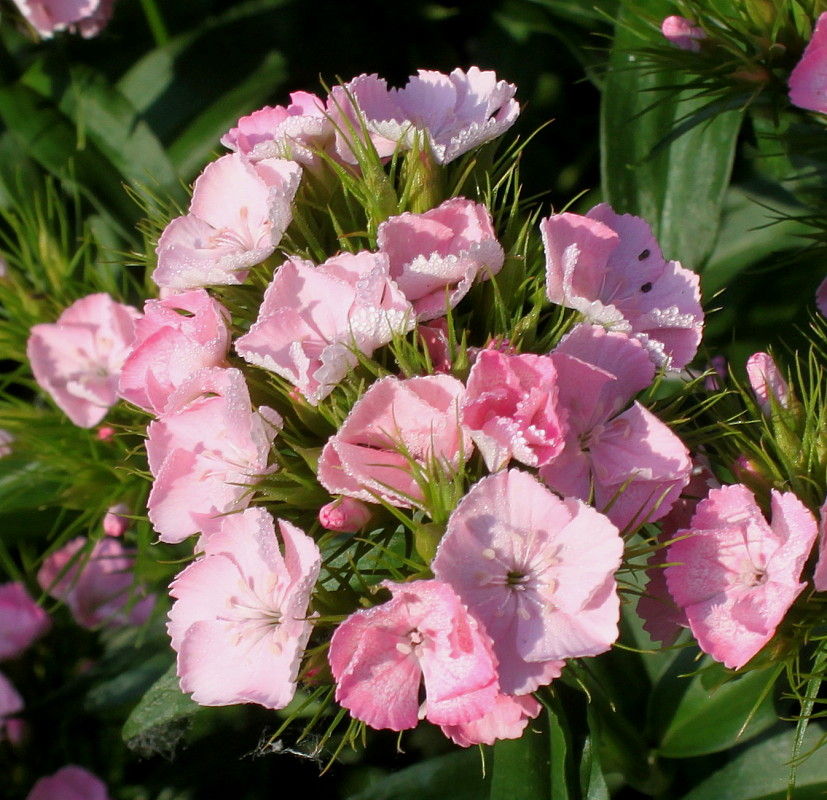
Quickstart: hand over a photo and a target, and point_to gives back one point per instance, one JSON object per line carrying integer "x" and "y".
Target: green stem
{"x": 155, "y": 22}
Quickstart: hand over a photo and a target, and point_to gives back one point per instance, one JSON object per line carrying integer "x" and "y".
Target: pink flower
{"x": 808, "y": 80}
{"x": 174, "y": 339}
{"x": 766, "y": 382}
{"x": 632, "y": 463}
{"x": 395, "y": 424}
{"x": 536, "y": 571}
{"x": 507, "y": 720}
{"x": 238, "y": 214}
{"x": 11, "y": 703}
{"x": 22, "y": 621}
{"x": 345, "y": 515}
{"x": 116, "y": 520}
{"x": 312, "y": 320}
{"x": 820, "y": 574}
{"x": 609, "y": 267}
{"x": 453, "y": 113}
{"x": 97, "y": 586}
{"x": 380, "y": 655}
{"x": 69, "y": 783}
{"x": 6, "y": 442}
{"x": 206, "y": 451}
{"x": 735, "y": 574}
{"x": 821, "y": 298}
{"x": 78, "y": 359}
{"x": 510, "y": 409}
{"x": 436, "y": 256}
{"x": 47, "y": 17}
{"x": 295, "y": 132}
{"x": 682, "y": 33}
{"x": 240, "y": 621}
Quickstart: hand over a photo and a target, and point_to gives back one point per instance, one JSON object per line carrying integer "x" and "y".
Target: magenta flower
{"x": 11, "y": 703}
{"x": 683, "y": 33}
{"x": 98, "y": 587}
{"x": 22, "y": 621}
{"x": 435, "y": 257}
{"x": 173, "y": 340}
{"x": 536, "y": 571}
{"x": 767, "y": 383}
{"x": 629, "y": 461}
{"x": 396, "y": 422}
{"x": 379, "y": 657}
{"x": 453, "y": 113}
{"x": 47, "y": 17}
{"x": 296, "y": 132}
{"x": 238, "y": 214}
{"x": 78, "y": 358}
{"x": 610, "y": 268}
{"x": 808, "y": 80}
{"x": 206, "y": 451}
{"x": 507, "y": 720}
{"x": 240, "y": 621}
{"x": 69, "y": 783}
{"x": 510, "y": 409}
{"x": 313, "y": 320}
{"x": 735, "y": 574}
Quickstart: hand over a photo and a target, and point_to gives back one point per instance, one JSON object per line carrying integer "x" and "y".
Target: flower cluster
{"x": 368, "y": 387}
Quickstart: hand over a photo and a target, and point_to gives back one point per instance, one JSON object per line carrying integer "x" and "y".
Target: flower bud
{"x": 345, "y": 515}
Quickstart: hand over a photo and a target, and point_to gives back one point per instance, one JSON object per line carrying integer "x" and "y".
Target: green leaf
{"x": 523, "y": 768}
{"x": 194, "y": 147}
{"x": 679, "y": 186}
{"x": 714, "y": 711}
{"x": 102, "y": 113}
{"x": 759, "y": 772}
{"x": 457, "y": 775}
{"x": 161, "y": 707}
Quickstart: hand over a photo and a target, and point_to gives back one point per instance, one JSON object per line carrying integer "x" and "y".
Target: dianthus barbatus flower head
{"x": 240, "y": 621}
{"x": 735, "y": 574}
{"x": 537, "y": 571}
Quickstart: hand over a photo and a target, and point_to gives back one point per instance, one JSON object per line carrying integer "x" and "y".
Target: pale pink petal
{"x": 766, "y": 381}
{"x": 22, "y": 621}
{"x": 683, "y": 33}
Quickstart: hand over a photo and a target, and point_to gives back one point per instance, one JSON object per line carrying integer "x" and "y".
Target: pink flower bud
{"x": 682, "y": 33}
{"x": 105, "y": 433}
{"x": 115, "y": 523}
{"x": 345, "y": 515}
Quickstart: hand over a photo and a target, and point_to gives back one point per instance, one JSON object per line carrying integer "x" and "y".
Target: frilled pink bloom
{"x": 240, "y": 621}
{"x": 507, "y": 720}
{"x": 536, "y": 571}
{"x": 48, "y": 17}
{"x": 296, "y": 132}
{"x": 510, "y": 409}
{"x": 735, "y": 574}
{"x": 631, "y": 461}
{"x": 609, "y": 267}
{"x": 435, "y": 257}
{"x": 206, "y": 451}
{"x": 174, "y": 338}
{"x": 396, "y": 422}
{"x": 11, "y": 703}
{"x": 22, "y": 621}
{"x": 345, "y": 515}
{"x": 238, "y": 214}
{"x": 69, "y": 783}
{"x": 379, "y": 657}
{"x": 767, "y": 383}
{"x": 314, "y": 319}
{"x": 78, "y": 359}
{"x": 808, "y": 80}
{"x": 454, "y": 113}
{"x": 683, "y": 33}
{"x": 97, "y": 586}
